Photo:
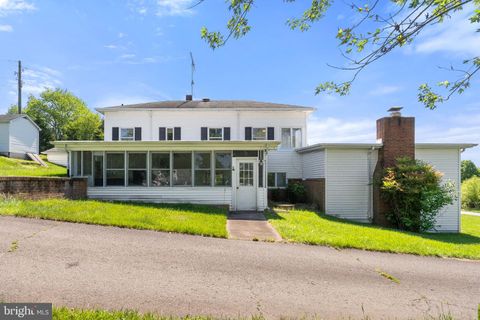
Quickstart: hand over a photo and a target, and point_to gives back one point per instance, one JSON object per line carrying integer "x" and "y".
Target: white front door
{"x": 246, "y": 181}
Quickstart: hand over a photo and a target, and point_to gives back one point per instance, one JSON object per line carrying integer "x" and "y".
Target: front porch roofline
{"x": 165, "y": 145}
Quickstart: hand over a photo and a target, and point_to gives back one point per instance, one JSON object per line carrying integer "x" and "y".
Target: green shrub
{"x": 296, "y": 192}
{"x": 415, "y": 194}
{"x": 471, "y": 193}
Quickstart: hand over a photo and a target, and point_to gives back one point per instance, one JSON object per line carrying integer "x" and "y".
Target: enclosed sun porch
{"x": 230, "y": 173}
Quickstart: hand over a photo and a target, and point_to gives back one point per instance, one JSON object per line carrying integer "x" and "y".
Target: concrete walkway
{"x": 250, "y": 225}
{"x": 88, "y": 266}
{"x": 470, "y": 213}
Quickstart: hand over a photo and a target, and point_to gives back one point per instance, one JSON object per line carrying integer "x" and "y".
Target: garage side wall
{"x": 348, "y": 178}
{"x": 446, "y": 161}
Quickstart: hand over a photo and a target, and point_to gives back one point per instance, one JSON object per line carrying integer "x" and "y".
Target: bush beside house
{"x": 471, "y": 193}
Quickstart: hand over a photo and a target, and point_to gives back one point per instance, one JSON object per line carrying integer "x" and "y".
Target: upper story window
{"x": 259, "y": 133}
{"x": 126, "y": 134}
{"x": 291, "y": 138}
{"x": 169, "y": 135}
{"x": 215, "y": 133}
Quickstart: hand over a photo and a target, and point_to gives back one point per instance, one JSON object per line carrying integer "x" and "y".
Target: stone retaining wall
{"x": 44, "y": 187}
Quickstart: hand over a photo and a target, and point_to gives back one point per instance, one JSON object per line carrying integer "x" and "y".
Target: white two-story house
{"x": 230, "y": 152}
{"x": 212, "y": 152}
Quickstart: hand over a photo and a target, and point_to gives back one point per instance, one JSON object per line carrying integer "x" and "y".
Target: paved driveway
{"x": 92, "y": 266}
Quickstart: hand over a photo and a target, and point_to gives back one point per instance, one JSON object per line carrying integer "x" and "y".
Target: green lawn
{"x": 25, "y": 168}
{"x": 183, "y": 218}
{"x": 313, "y": 228}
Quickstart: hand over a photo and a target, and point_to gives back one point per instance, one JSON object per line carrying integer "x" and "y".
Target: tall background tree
{"x": 375, "y": 30}
{"x": 469, "y": 169}
{"x": 63, "y": 116}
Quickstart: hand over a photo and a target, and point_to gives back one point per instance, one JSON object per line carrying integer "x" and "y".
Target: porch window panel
{"x": 223, "y": 169}
{"x": 115, "y": 170}
{"x": 203, "y": 168}
{"x": 160, "y": 164}
{"x": 87, "y": 163}
{"x": 98, "y": 169}
{"x": 182, "y": 169}
{"x": 77, "y": 163}
{"x": 137, "y": 169}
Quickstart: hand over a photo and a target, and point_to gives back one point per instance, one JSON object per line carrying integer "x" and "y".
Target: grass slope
{"x": 182, "y": 218}
{"x": 25, "y": 168}
{"x": 313, "y": 228}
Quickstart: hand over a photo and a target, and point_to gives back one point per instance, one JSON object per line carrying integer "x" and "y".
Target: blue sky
{"x": 111, "y": 52}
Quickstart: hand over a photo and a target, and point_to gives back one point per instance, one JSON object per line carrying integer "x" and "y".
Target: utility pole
{"x": 19, "y": 77}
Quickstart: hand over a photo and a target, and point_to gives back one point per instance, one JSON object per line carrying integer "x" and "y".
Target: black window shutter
{"x": 248, "y": 133}
{"x": 271, "y": 133}
{"x": 177, "y": 133}
{"x": 115, "y": 133}
{"x": 204, "y": 133}
{"x": 162, "y": 133}
{"x": 226, "y": 133}
{"x": 138, "y": 133}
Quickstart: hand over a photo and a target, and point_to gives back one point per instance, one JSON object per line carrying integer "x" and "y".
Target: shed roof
{"x": 6, "y": 118}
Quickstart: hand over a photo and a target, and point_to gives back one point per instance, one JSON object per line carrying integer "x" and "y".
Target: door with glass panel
{"x": 246, "y": 191}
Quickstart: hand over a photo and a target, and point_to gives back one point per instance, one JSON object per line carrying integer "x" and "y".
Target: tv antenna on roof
{"x": 193, "y": 70}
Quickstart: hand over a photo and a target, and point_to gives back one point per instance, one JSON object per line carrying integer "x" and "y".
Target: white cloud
{"x": 456, "y": 36}
{"x": 118, "y": 100}
{"x": 162, "y": 7}
{"x": 15, "y": 6}
{"x": 384, "y": 90}
{"x": 110, "y": 46}
{"x": 36, "y": 80}
{"x": 6, "y": 28}
{"x": 127, "y": 56}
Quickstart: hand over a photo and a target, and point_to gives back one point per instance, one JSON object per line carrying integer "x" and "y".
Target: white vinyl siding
{"x": 4, "y": 137}
{"x": 191, "y": 122}
{"x": 348, "y": 183}
{"x": 288, "y": 161}
{"x": 202, "y": 195}
{"x": 313, "y": 164}
{"x": 60, "y": 158}
{"x": 24, "y": 136}
{"x": 446, "y": 161}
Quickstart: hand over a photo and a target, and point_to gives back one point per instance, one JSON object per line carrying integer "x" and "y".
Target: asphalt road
{"x": 88, "y": 266}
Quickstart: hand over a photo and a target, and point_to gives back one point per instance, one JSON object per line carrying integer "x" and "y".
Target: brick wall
{"x": 315, "y": 189}
{"x": 398, "y": 138}
{"x": 44, "y": 187}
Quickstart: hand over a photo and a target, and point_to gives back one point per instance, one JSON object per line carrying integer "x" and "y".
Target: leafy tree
{"x": 373, "y": 33}
{"x": 13, "y": 109}
{"x": 469, "y": 169}
{"x": 62, "y": 116}
{"x": 415, "y": 194}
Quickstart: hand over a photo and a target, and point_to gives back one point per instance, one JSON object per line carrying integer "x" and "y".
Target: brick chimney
{"x": 397, "y": 134}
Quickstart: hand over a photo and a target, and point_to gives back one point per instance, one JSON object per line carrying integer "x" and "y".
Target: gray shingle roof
{"x": 4, "y": 118}
{"x": 211, "y": 104}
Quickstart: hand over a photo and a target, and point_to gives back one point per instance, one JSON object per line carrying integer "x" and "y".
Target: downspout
{"x": 370, "y": 184}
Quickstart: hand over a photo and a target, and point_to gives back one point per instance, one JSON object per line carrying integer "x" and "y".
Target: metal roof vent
{"x": 205, "y": 99}
{"x": 395, "y": 111}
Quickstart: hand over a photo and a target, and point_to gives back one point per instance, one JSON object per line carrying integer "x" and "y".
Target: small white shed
{"x": 57, "y": 156}
{"x": 19, "y": 135}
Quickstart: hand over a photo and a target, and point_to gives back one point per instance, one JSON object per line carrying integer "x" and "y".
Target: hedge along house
{"x": 211, "y": 152}
{"x": 231, "y": 152}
